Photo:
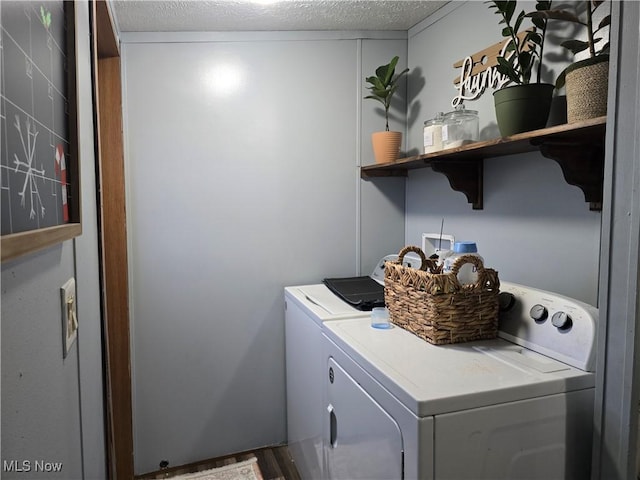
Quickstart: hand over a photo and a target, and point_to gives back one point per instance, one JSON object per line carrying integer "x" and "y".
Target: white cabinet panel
{"x": 541, "y": 438}
{"x": 305, "y": 368}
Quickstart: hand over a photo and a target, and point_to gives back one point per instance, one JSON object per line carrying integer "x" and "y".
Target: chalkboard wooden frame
{"x": 14, "y": 245}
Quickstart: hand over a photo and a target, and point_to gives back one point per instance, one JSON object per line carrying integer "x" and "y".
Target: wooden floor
{"x": 275, "y": 464}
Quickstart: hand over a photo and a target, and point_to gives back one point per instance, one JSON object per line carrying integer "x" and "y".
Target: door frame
{"x": 112, "y": 237}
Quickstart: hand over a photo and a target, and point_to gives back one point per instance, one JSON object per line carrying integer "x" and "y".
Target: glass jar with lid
{"x": 433, "y": 133}
{"x": 460, "y": 127}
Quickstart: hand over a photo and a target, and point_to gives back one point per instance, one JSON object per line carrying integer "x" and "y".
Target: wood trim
{"x": 115, "y": 265}
{"x": 113, "y": 237}
{"x": 18, "y": 244}
{"x": 108, "y": 45}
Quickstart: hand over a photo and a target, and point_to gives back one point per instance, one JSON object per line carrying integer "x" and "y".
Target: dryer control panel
{"x": 551, "y": 324}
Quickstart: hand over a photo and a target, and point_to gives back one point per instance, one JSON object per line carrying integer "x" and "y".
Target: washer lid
{"x": 431, "y": 379}
{"x": 322, "y": 302}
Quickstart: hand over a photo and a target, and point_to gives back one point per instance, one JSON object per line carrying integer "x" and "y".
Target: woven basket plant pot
{"x": 587, "y": 86}
{"x": 386, "y": 146}
{"x": 522, "y": 108}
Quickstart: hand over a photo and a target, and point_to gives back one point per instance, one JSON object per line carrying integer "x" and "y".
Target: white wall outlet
{"x": 69, "y": 317}
{"x": 435, "y": 242}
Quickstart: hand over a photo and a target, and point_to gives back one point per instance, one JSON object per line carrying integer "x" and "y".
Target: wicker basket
{"x": 435, "y": 306}
{"x": 587, "y": 87}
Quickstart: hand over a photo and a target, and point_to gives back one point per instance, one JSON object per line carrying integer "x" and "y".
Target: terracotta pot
{"x": 386, "y": 146}
{"x": 587, "y": 87}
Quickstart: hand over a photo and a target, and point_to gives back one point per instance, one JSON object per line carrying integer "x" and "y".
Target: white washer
{"x": 519, "y": 406}
{"x": 307, "y": 307}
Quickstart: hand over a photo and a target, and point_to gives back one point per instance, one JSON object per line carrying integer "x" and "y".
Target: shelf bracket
{"x": 464, "y": 176}
{"x": 582, "y": 165}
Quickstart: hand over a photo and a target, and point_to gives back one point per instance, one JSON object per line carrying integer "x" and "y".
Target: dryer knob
{"x": 506, "y": 301}
{"x": 538, "y": 312}
{"x": 561, "y": 321}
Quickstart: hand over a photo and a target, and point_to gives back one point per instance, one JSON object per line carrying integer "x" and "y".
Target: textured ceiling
{"x": 236, "y": 15}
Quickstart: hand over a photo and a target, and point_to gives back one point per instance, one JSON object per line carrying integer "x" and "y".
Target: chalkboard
{"x": 38, "y": 165}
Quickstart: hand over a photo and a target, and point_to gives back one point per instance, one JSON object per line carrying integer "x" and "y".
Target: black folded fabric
{"x": 363, "y": 293}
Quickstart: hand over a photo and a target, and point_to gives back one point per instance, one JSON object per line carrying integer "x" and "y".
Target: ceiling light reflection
{"x": 225, "y": 79}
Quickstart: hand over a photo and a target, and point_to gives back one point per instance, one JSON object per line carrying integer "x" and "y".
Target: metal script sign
{"x": 479, "y": 71}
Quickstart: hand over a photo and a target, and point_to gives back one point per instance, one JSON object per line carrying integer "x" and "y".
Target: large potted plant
{"x": 586, "y": 80}
{"x": 523, "y": 106}
{"x": 382, "y": 85}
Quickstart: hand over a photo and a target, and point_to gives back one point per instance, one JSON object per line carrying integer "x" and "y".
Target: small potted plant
{"x": 586, "y": 80}
{"x": 382, "y": 85}
{"x": 525, "y": 105}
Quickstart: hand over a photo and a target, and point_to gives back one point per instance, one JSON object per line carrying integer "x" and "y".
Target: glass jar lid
{"x": 439, "y": 118}
{"x": 461, "y": 113}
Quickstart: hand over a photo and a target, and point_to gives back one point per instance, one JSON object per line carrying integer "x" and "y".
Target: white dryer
{"x": 307, "y": 308}
{"x": 519, "y": 406}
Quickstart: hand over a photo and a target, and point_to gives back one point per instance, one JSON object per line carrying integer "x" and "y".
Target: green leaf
{"x": 506, "y": 9}
{"x": 556, "y": 15}
{"x": 501, "y": 6}
{"x": 376, "y": 83}
{"x": 539, "y": 22}
{"x": 381, "y": 73}
{"x": 576, "y": 46}
{"x": 510, "y": 9}
{"x": 535, "y": 38}
{"x": 543, "y": 5}
{"x": 382, "y": 93}
{"x": 391, "y": 68}
{"x": 505, "y": 68}
{"x": 519, "y": 19}
{"x": 525, "y": 59}
{"x": 561, "y": 80}
{"x": 510, "y": 48}
{"x": 606, "y": 21}
{"x": 506, "y": 32}
{"x": 514, "y": 77}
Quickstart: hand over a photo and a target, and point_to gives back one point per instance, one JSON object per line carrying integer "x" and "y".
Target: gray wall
{"x": 535, "y": 229}
{"x": 231, "y": 196}
{"x": 52, "y": 408}
{"x": 617, "y": 386}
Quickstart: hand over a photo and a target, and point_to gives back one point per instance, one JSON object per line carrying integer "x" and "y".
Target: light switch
{"x": 69, "y": 317}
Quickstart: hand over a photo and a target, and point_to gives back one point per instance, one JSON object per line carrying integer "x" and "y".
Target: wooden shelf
{"x": 577, "y": 147}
